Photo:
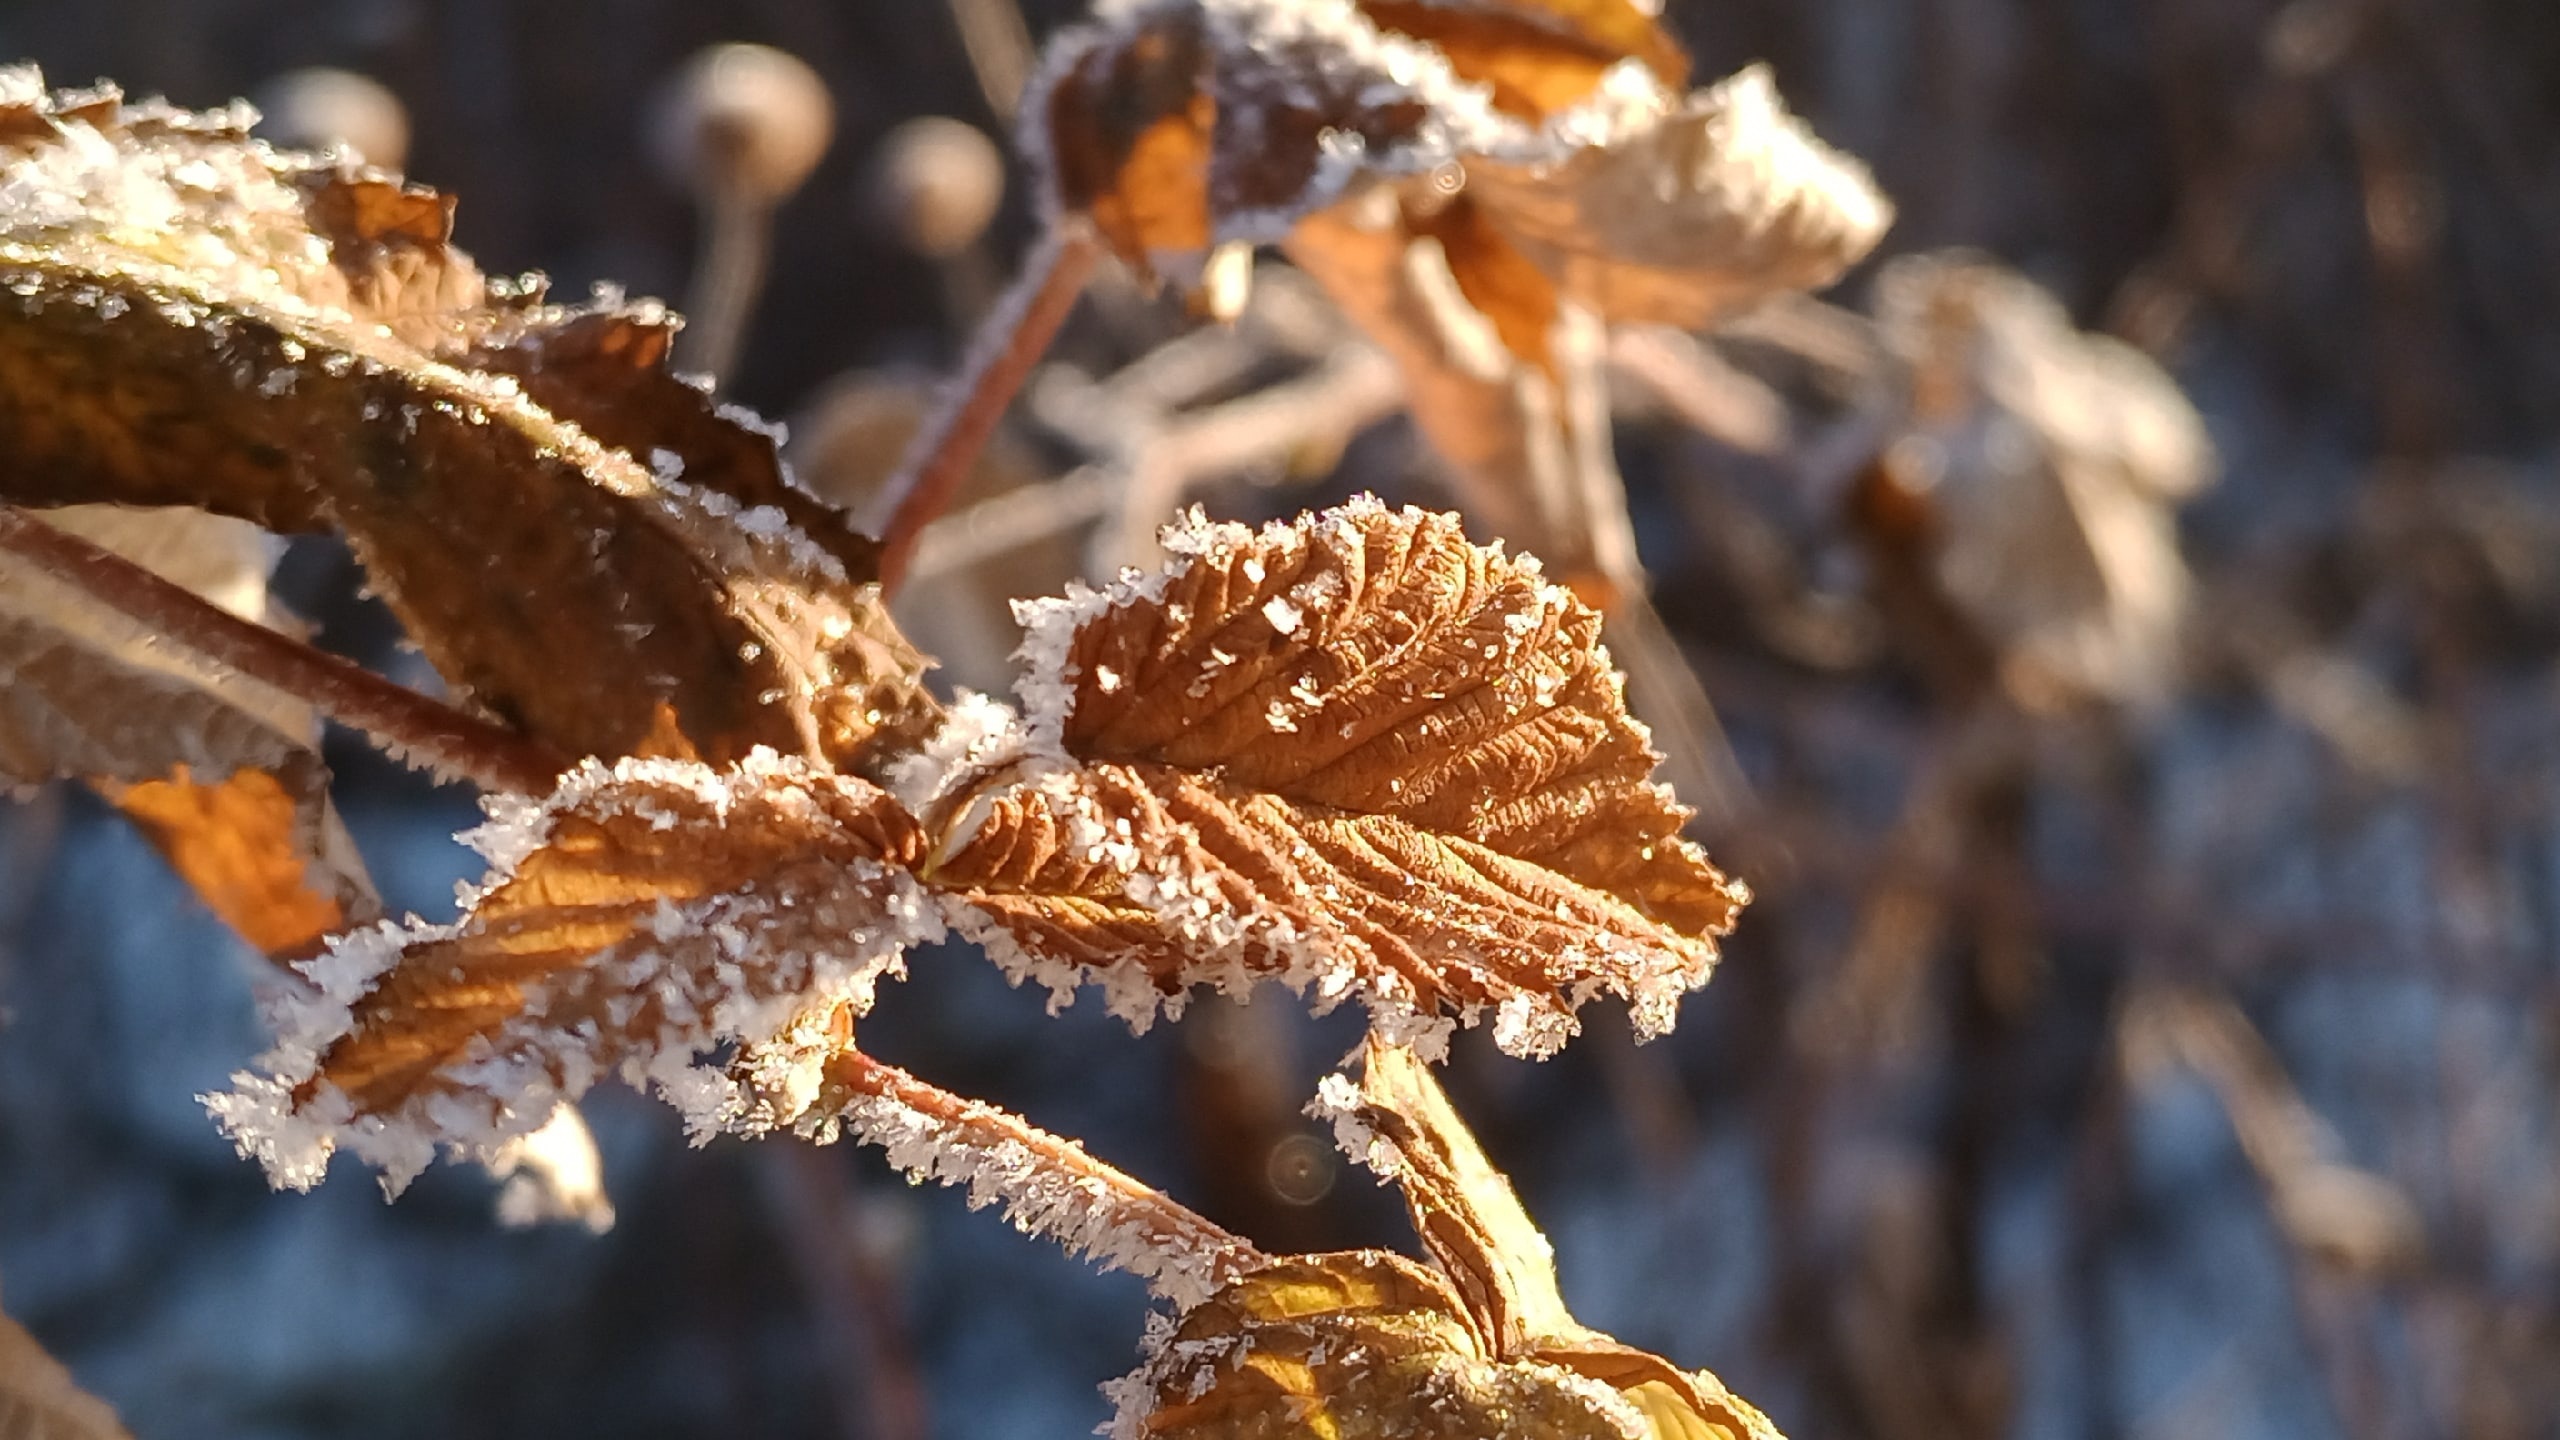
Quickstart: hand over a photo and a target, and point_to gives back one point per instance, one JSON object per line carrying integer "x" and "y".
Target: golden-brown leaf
{"x": 1351, "y": 1346}
{"x": 1500, "y": 1267}
{"x": 1377, "y": 661}
{"x": 189, "y": 318}
{"x": 644, "y": 914}
{"x": 1357, "y": 753}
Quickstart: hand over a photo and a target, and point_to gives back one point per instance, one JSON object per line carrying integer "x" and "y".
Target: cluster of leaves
{"x": 1357, "y": 753}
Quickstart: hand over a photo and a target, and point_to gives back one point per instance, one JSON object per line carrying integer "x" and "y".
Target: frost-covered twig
{"x": 1048, "y": 1185}
{"x": 1012, "y": 341}
{"x": 414, "y": 727}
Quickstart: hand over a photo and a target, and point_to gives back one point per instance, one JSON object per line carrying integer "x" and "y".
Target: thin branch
{"x": 410, "y": 725}
{"x": 1012, "y": 341}
{"x": 1048, "y": 1185}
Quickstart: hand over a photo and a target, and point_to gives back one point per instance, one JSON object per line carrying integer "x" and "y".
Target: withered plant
{"x": 1359, "y": 754}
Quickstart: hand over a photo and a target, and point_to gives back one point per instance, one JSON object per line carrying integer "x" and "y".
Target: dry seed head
{"x": 318, "y": 108}
{"x": 746, "y": 121}
{"x": 936, "y": 184}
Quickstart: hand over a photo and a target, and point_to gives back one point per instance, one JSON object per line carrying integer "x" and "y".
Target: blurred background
{"x": 2131, "y": 608}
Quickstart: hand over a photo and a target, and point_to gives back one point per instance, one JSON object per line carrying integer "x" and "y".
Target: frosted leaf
{"x": 189, "y": 317}
{"x": 1357, "y": 1333}
{"x": 1186, "y": 126}
{"x": 648, "y": 914}
{"x": 1480, "y": 1346}
{"x": 1423, "y": 791}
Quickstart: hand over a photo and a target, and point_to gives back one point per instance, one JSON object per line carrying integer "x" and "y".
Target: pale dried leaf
{"x": 187, "y": 317}
{"x": 218, "y": 770}
{"x": 2051, "y": 461}
{"x": 40, "y": 1401}
{"x": 91, "y": 694}
{"x": 1718, "y": 202}
{"x": 643, "y": 916}
{"x": 1587, "y": 177}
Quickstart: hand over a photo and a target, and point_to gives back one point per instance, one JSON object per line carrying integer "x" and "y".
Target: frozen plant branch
{"x": 1047, "y": 1184}
{"x": 412, "y": 727}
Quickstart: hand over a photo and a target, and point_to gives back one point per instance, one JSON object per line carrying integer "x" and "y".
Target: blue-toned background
{"x": 2202, "y": 1084}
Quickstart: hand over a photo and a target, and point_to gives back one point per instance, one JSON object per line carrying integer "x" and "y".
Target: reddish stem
{"x": 430, "y": 730}
{"x": 1008, "y": 345}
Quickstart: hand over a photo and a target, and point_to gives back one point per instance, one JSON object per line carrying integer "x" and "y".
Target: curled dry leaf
{"x": 1555, "y": 129}
{"x": 1356, "y": 753}
{"x": 605, "y": 561}
{"x": 1365, "y": 1343}
{"x": 643, "y": 915}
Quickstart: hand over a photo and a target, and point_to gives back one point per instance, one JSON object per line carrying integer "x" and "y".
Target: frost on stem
{"x": 1354, "y": 753}
{"x": 644, "y": 916}
{"x": 1047, "y": 1185}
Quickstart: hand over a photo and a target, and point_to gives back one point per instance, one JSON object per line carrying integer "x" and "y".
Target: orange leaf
{"x": 645, "y": 914}
{"x": 1357, "y": 753}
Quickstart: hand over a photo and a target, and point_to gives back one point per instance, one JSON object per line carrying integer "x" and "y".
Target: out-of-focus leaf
{"x": 644, "y": 914}
{"x": 2049, "y": 462}
{"x": 1182, "y": 126}
{"x": 1724, "y": 199}
{"x": 1357, "y": 752}
{"x": 190, "y": 318}
{"x": 40, "y": 1401}
{"x": 217, "y": 769}
{"x": 90, "y": 694}
{"x": 260, "y": 848}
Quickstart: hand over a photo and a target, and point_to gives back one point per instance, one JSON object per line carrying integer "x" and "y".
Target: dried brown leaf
{"x": 1183, "y": 125}
{"x": 1357, "y": 753}
{"x": 646, "y": 913}
{"x": 217, "y": 769}
{"x": 190, "y": 318}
